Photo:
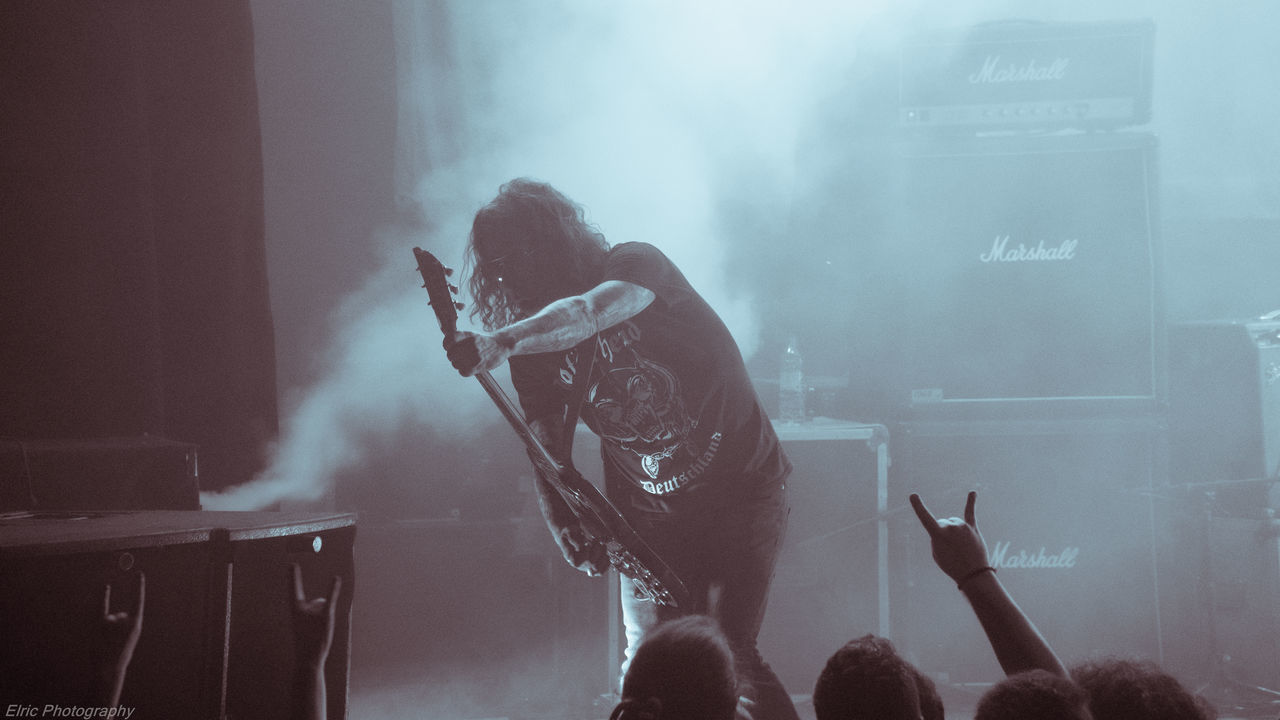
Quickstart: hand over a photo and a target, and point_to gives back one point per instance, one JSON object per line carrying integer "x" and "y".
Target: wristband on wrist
{"x": 971, "y": 575}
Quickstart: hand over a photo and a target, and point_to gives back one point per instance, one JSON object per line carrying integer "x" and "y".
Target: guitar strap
{"x": 577, "y": 394}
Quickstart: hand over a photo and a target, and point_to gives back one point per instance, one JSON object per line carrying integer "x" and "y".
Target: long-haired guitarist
{"x": 690, "y": 458}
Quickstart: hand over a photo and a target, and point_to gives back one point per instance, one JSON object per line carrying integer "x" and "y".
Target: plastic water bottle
{"x": 791, "y": 384}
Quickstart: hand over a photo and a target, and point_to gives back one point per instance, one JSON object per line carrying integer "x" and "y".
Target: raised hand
{"x": 120, "y": 633}
{"x": 961, "y": 553}
{"x": 958, "y": 547}
{"x": 121, "y": 629}
{"x": 313, "y": 620}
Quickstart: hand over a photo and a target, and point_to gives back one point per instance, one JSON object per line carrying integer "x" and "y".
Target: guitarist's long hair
{"x": 572, "y": 251}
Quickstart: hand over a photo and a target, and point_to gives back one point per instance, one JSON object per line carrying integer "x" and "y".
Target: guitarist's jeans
{"x": 729, "y": 552}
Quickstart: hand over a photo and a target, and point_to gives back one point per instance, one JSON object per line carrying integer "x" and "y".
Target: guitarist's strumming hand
{"x": 471, "y": 353}
{"x": 584, "y": 554}
{"x": 575, "y": 544}
{"x": 578, "y": 549}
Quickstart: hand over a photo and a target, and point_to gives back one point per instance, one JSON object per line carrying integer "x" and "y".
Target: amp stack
{"x": 1019, "y": 264}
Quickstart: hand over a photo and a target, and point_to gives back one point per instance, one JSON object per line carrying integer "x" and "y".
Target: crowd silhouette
{"x": 684, "y": 668}
{"x": 867, "y": 679}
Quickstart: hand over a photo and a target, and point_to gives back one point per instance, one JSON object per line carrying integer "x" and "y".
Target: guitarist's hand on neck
{"x": 471, "y": 353}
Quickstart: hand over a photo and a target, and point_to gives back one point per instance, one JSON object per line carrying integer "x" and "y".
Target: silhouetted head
{"x": 682, "y": 670}
{"x": 1036, "y": 694}
{"x": 931, "y": 707}
{"x": 867, "y": 680}
{"x": 1137, "y": 690}
{"x": 529, "y": 246}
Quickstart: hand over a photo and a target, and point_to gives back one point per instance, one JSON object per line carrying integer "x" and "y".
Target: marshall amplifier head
{"x": 1028, "y": 76}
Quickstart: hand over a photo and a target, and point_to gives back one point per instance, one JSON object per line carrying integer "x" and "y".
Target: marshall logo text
{"x": 1000, "y": 557}
{"x": 1001, "y": 252}
{"x": 993, "y": 73}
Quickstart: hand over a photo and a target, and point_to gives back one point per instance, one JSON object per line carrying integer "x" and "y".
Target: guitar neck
{"x": 513, "y": 415}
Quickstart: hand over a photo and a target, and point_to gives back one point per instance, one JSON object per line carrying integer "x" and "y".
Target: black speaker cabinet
{"x": 1069, "y": 512}
{"x": 1241, "y": 578}
{"x": 121, "y": 473}
{"x": 215, "y": 640}
{"x": 1023, "y": 269}
{"x": 830, "y": 584}
{"x": 1224, "y": 400}
{"x": 260, "y": 657}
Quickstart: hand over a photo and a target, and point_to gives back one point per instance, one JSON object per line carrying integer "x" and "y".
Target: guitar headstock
{"x": 435, "y": 278}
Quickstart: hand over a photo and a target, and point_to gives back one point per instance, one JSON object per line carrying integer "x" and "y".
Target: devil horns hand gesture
{"x": 119, "y": 634}
{"x": 961, "y": 553}
{"x": 958, "y": 547}
{"x": 313, "y": 621}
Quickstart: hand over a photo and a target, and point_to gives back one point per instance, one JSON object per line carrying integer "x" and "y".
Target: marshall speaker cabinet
{"x": 1072, "y": 514}
{"x": 1022, "y": 270}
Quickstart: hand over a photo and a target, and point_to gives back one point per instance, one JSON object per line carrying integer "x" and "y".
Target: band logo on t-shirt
{"x": 666, "y": 391}
{"x": 688, "y": 476}
{"x": 636, "y": 405}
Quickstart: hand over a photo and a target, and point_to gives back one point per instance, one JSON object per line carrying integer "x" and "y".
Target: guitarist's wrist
{"x": 505, "y": 339}
{"x": 554, "y": 510}
{"x": 557, "y": 517}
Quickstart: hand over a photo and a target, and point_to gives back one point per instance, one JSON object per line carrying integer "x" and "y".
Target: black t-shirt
{"x": 680, "y": 424}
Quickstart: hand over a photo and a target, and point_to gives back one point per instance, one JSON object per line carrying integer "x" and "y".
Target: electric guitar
{"x": 600, "y": 520}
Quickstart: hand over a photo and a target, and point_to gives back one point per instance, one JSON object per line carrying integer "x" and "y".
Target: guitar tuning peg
{"x": 453, "y": 288}
{"x": 448, "y": 271}
{"x": 458, "y": 306}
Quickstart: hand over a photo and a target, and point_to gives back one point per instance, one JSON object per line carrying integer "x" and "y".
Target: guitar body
{"x": 628, "y": 553}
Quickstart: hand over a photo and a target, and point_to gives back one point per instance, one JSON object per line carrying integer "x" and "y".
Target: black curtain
{"x": 133, "y": 285}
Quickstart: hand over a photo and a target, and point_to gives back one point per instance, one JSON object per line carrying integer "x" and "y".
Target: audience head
{"x": 1035, "y": 694}
{"x": 1137, "y": 690}
{"x": 682, "y": 670}
{"x": 930, "y": 701}
{"x": 867, "y": 679}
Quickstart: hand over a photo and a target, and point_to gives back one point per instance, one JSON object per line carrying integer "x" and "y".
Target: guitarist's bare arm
{"x": 553, "y": 507}
{"x": 562, "y": 324}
